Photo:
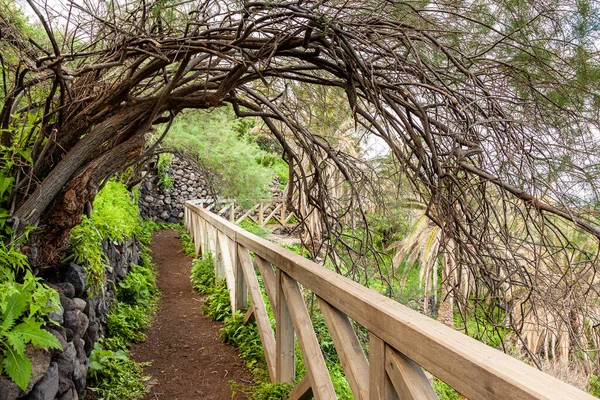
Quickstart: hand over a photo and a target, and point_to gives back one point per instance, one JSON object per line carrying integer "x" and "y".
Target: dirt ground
{"x": 188, "y": 360}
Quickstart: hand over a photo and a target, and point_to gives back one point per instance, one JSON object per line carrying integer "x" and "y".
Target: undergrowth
{"x": 112, "y": 374}
{"x": 115, "y": 217}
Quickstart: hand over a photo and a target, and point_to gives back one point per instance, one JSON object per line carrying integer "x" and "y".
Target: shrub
{"x": 246, "y": 338}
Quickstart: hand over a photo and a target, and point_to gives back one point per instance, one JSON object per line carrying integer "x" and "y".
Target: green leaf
{"x": 18, "y": 368}
{"x": 15, "y": 340}
{"x": 15, "y": 305}
{"x": 32, "y": 333}
{"x": 95, "y": 366}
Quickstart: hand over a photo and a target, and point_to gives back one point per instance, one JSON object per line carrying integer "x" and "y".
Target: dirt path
{"x": 188, "y": 360}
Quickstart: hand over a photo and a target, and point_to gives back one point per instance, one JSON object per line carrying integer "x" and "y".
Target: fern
{"x": 23, "y": 311}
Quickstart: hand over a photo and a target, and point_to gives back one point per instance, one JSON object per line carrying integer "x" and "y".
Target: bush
{"x": 137, "y": 297}
{"x": 112, "y": 374}
{"x": 188, "y": 248}
{"x": 594, "y": 386}
{"x": 247, "y": 339}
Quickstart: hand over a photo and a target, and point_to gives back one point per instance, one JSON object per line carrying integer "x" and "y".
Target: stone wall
{"x": 166, "y": 205}
{"x": 61, "y": 375}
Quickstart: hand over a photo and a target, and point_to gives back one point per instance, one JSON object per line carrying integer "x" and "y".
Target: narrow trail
{"x": 188, "y": 360}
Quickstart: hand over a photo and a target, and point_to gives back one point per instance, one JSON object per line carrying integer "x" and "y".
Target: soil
{"x": 188, "y": 360}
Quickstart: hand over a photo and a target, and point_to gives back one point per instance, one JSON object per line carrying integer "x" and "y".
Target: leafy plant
{"x": 115, "y": 217}
{"x": 445, "y": 391}
{"x": 254, "y": 228}
{"x": 24, "y": 308}
{"x": 246, "y": 338}
{"x": 137, "y": 297}
{"x": 594, "y": 386}
{"x": 114, "y": 376}
{"x": 162, "y": 167}
{"x": 187, "y": 246}
{"x": 203, "y": 274}
{"x": 216, "y": 305}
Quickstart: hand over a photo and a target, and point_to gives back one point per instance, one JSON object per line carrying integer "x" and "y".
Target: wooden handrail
{"x": 278, "y": 213}
{"x": 402, "y": 340}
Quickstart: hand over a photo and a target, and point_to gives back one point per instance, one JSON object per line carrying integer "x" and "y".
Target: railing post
{"x": 197, "y": 237}
{"x": 284, "y": 336}
{"x": 260, "y": 214}
{"x": 241, "y": 289}
{"x": 219, "y": 266}
{"x": 380, "y": 385}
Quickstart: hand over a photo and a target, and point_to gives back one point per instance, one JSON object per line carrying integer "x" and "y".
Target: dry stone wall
{"x": 81, "y": 319}
{"x": 167, "y": 204}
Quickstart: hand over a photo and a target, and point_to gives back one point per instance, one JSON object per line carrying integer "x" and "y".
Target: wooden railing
{"x": 262, "y": 213}
{"x": 402, "y": 341}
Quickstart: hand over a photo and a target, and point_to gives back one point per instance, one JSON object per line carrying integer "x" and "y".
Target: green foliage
{"x": 216, "y": 142}
{"x": 247, "y": 339}
{"x": 24, "y": 308}
{"x": 114, "y": 217}
{"x": 203, "y": 274}
{"x": 115, "y": 213}
{"x": 216, "y": 304}
{"x": 593, "y": 387}
{"x": 113, "y": 375}
{"x": 162, "y": 166}
{"x": 265, "y": 390}
{"x": 138, "y": 287}
{"x": 86, "y": 250}
{"x": 484, "y": 327}
{"x": 126, "y": 323}
{"x": 445, "y": 391}
{"x": 145, "y": 230}
{"x": 297, "y": 248}
{"x": 188, "y": 248}
{"x": 12, "y": 261}
{"x": 137, "y": 297}
{"x": 254, "y": 228}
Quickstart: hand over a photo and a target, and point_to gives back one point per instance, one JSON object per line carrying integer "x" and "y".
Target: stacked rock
{"x": 81, "y": 319}
{"x": 166, "y": 204}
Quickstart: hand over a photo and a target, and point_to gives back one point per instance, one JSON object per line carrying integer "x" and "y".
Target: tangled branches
{"x": 488, "y": 109}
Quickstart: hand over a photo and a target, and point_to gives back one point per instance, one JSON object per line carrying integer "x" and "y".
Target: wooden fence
{"x": 402, "y": 341}
{"x": 262, "y": 213}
